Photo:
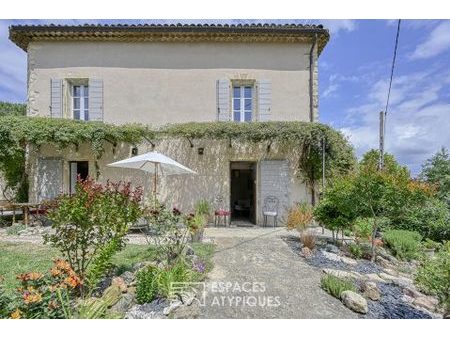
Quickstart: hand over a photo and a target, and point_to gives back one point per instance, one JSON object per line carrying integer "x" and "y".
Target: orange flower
{"x": 30, "y": 276}
{"x": 63, "y": 265}
{"x": 30, "y": 298}
{"x": 73, "y": 281}
{"x": 16, "y": 314}
{"x": 55, "y": 272}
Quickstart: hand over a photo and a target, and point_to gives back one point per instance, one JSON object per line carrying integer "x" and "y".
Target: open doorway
{"x": 77, "y": 169}
{"x": 243, "y": 192}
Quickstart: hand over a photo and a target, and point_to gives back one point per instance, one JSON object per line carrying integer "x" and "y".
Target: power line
{"x": 383, "y": 116}
{"x": 393, "y": 66}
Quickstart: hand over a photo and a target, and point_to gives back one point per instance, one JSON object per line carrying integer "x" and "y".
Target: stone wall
{"x": 213, "y": 170}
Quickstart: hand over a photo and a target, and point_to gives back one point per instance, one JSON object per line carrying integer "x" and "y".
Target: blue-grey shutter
{"x": 56, "y": 103}
{"x": 223, "y": 100}
{"x": 264, "y": 100}
{"x": 95, "y": 99}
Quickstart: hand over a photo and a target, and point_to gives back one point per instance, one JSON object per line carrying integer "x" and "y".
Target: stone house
{"x": 162, "y": 74}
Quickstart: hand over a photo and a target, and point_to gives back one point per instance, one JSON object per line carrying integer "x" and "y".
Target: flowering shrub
{"x": 87, "y": 222}
{"x": 167, "y": 233}
{"x": 45, "y": 295}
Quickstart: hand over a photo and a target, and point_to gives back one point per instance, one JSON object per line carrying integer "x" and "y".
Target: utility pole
{"x": 382, "y": 126}
{"x": 323, "y": 164}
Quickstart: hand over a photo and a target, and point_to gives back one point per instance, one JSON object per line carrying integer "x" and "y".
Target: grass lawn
{"x": 17, "y": 258}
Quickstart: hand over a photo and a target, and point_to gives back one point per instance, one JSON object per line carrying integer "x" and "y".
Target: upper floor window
{"x": 80, "y": 102}
{"x": 242, "y": 103}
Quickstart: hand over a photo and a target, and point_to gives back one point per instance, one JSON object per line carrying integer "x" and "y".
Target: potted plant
{"x": 196, "y": 224}
{"x": 429, "y": 247}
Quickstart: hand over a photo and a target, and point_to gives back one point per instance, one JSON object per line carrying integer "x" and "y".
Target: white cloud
{"x": 437, "y": 42}
{"x": 336, "y": 26}
{"x": 418, "y": 120}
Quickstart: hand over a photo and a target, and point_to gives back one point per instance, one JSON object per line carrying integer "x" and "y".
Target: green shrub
{"x": 102, "y": 262}
{"x": 355, "y": 250}
{"x": 403, "y": 243}
{"x": 89, "y": 220}
{"x": 336, "y": 210}
{"x": 203, "y": 207}
{"x": 335, "y": 286}
{"x": 433, "y": 276}
{"x": 153, "y": 282}
{"x": 431, "y": 219}
{"x": 362, "y": 228}
{"x": 146, "y": 287}
{"x": 178, "y": 273}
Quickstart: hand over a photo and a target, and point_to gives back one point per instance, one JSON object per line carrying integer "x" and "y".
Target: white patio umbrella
{"x": 154, "y": 163}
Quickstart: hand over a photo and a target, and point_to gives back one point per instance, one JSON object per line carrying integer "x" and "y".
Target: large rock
{"x": 331, "y": 256}
{"x": 332, "y": 248}
{"x": 350, "y": 275}
{"x": 120, "y": 283}
{"x": 124, "y": 304}
{"x": 153, "y": 310}
{"x": 373, "y": 277}
{"x": 383, "y": 262}
{"x": 172, "y": 306}
{"x": 371, "y": 290}
{"x": 412, "y": 292}
{"x": 426, "y": 302}
{"x": 399, "y": 281}
{"x": 337, "y": 258}
{"x": 354, "y": 301}
{"x": 349, "y": 261}
{"x": 128, "y": 277}
{"x": 386, "y": 255}
{"x": 186, "y": 312}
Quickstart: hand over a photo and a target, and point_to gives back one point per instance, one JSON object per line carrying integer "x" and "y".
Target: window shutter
{"x": 95, "y": 99}
{"x": 264, "y": 100}
{"x": 223, "y": 100}
{"x": 56, "y": 98}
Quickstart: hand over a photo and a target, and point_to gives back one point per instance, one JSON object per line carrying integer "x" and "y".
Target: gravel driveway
{"x": 256, "y": 275}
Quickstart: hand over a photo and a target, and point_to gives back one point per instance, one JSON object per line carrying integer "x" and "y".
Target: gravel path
{"x": 266, "y": 279}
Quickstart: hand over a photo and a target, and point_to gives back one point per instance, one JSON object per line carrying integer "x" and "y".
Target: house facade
{"x": 163, "y": 74}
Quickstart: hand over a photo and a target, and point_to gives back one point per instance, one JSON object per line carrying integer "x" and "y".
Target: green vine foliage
{"x": 307, "y": 136}
{"x": 16, "y": 132}
{"x": 16, "y": 109}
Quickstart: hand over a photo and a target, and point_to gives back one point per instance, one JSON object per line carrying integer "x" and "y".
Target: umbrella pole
{"x": 155, "y": 178}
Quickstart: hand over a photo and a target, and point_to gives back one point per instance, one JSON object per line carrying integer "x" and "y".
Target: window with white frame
{"x": 242, "y": 103}
{"x": 80, "y": 102}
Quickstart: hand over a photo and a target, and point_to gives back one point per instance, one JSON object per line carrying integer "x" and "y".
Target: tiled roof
{"x": 22, "y": 35}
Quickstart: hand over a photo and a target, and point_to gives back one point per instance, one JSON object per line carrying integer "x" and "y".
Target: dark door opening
{"x": 243, "y": 192}
{"x": 78, "y": 169}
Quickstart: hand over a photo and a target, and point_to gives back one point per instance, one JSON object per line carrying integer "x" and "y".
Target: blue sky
{"x": 354, "y": 74}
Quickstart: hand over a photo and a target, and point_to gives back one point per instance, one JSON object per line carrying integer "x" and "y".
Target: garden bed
{"x": 398, "y": 296}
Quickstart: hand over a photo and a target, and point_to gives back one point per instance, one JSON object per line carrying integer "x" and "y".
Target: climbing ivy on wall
{"x": 306, "y": 137}
{"x": 16, "y": 132}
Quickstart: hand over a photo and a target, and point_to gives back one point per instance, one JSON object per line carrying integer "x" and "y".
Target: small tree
{"x": 90, "y": 225}
{"x": 436, "y": 170}
{"x": 337, "y": 210}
